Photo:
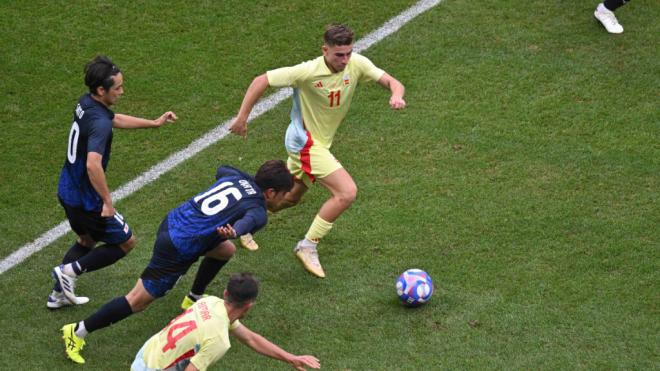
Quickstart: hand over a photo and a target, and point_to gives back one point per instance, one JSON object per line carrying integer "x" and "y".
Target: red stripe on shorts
{"x": 305, "y": 160}
{"x": 185, "y": 355}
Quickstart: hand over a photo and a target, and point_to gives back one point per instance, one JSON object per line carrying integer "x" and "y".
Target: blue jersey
{"x": 91, "y": 131}
{"x": 233, "y": 199}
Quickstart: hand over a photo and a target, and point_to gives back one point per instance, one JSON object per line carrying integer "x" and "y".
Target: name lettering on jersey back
{"x": 247, "y": 187}
{"x": 79, "y": 112}
{"x": 204, "y": 311}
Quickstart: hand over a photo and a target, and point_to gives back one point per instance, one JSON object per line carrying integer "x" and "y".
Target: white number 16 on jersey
{"x": 215, "y": 200}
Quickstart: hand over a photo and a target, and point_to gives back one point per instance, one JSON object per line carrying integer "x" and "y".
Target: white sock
{"x": 68, "y": 270}
{"x": 308, "y": 243}
{"x": 195, "y": 296}
{"x": 601, "y": 8}
{"x": 81, "y": 332}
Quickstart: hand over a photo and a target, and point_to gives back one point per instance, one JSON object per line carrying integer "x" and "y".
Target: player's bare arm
{"x": 396, "y": 88}
{"x": 263, "y": 346}
{"x": 122, "y": 121}
{"x": 254, "y": 92}
{"x": 97, "y": 178}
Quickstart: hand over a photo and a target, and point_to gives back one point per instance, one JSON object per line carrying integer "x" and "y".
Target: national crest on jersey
{"x": 91, "y": 131}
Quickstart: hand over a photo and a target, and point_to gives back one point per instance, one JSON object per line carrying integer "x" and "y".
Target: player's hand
{"x": 239, "y": 127}
{"x": 226, "y": 231}
{"x": 299, "y": 362}
{"x": 397, "y": 103}
{"x": 168, "y": 116}
{"x": 108, "y": 211}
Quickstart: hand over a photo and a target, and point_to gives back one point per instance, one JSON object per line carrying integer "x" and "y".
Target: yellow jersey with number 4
{"x": 321, "y": 98}
{"x": 201, "y": 334}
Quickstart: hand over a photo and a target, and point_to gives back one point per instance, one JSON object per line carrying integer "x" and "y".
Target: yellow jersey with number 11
{"x": 321, "y": 98}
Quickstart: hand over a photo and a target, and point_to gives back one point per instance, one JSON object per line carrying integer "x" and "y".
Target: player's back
{"x": 203, "y": 326}
{"x": 234, "y": 194}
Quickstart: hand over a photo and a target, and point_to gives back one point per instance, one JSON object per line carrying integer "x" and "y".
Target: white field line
{"x": 209, "y": 138}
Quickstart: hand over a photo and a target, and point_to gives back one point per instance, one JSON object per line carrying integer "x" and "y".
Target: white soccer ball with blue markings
{"x": 414, "y": 287}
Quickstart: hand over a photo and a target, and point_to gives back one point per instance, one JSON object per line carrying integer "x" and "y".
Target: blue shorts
{"x": 140, "y": 365}
{"x": 112, "y": 229}
{"x": 166, "y": 266}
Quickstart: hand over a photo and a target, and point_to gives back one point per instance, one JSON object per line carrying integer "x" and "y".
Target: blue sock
{"x": 113, "y": 311}
{"x": 75, "y": 252}
{"x": 100, "y": 257}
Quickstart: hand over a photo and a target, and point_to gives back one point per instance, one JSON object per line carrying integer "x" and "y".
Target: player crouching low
{"x": 199, "y": 336}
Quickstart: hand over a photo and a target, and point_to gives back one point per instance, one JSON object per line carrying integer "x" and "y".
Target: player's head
{"x": 241, "y": 291}
{"x": 275, "y": 181}
{"x": 104, "y": 79}
{"x": 337, "y": 46}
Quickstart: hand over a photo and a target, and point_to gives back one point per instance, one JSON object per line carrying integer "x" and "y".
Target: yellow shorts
{"x": 312, "y": 162}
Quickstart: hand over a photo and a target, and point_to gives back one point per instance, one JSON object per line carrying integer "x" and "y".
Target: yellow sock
{"x": 318, "y": 229}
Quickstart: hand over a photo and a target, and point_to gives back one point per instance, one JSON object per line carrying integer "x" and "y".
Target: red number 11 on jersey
{"x": 334, "y": 94}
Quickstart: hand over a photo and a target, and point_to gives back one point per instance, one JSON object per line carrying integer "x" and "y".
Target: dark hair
{"x": 336, "y": 34}
{"x": 274, "y": 174}
{"x": 242, "y": 288}
{"x": 99, "y": 72}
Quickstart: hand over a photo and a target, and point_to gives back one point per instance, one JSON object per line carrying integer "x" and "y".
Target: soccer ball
{"x": 414, "y": 287}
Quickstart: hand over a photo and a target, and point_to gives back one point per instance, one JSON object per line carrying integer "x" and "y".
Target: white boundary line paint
{"x": 209, "y": 138}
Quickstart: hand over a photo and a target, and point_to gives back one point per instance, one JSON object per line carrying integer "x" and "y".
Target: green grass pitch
{"x": 523, "y": 177}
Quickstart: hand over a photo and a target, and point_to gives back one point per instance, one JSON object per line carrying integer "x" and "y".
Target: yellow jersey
{"x": 321, "y": 98}
{"x": 200, "y": 333}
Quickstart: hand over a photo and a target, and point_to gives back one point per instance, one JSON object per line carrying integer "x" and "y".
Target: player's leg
{"x": 161, "y": 274}
{"x": 328, "y": 171}
{"x": 79, "y": 221}
{"x": 111, "y": 312}
{"x": 605, "y": 14}
{"x": 80, "y": 248}
{"x": 119, "y": 240}
{"x": 343, "y": 192}
{"x": 211, "y": 264}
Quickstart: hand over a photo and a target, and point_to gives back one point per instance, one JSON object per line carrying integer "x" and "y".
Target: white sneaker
{"x": 310, "y": 259}
{"x": 58, "y": 300}
{"x": 608, "y": 19}
{"x": 248, "y": 242}
{"x": 67, "y": 283}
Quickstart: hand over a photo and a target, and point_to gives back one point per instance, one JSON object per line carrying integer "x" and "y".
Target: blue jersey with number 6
{"x": 233, "y": 199}
{"x": 91, "y": 131}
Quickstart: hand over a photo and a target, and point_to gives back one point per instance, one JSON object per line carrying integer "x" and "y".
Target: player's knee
{"x": 136, "y": 303}
{"x": 128, "y": 245}
{"x": 348, "y": 196}
{"x": 228, "y": 250}
{"x": 86, "y": 241}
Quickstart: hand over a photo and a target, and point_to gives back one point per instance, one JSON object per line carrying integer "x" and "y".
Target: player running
{"x": 201, "y": 226}
{"x": 322, "y": 93}
{"x": 199, "y": 337}
{"x": 83, "y": 191}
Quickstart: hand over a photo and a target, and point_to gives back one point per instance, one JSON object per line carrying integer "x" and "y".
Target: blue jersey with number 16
{"x": 233, "y": 199}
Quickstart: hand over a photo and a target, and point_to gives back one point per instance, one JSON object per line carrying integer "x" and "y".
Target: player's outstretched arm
{"x": 254, "y": 92}
{"x": 397, "y": 89}
{"x": 123, "y": 121}
{"x": 263, "y": 346}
